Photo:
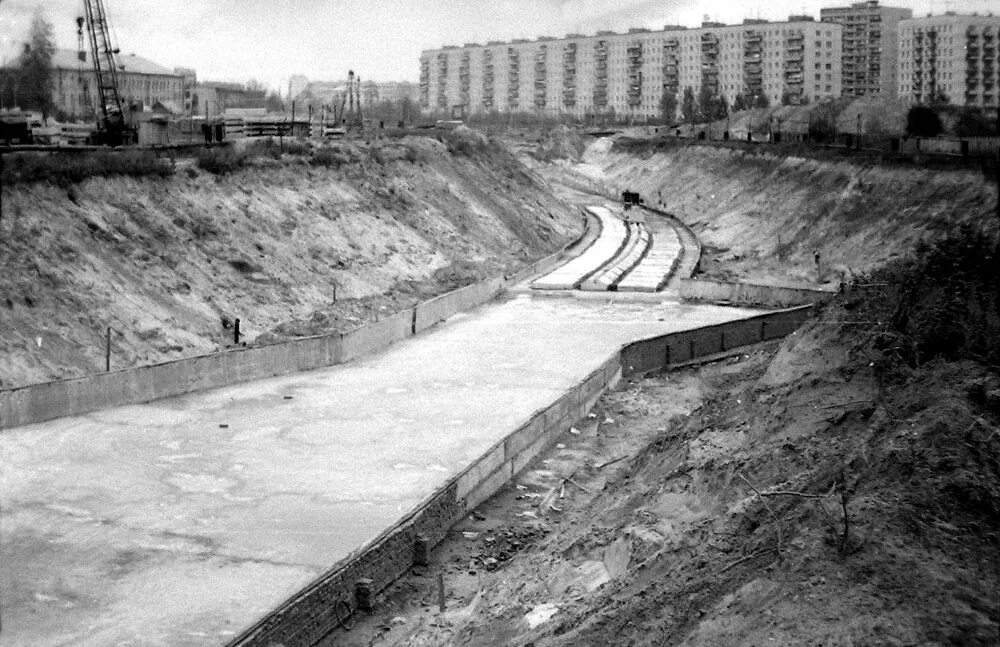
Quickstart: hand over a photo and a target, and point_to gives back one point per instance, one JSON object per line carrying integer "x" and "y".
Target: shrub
{"x": 922, "y": 121}
{"x": 466, "y": 142}
{"x": 972, "y": 123}
{"x": 332, "y": 156}
{"x": 268, "y": 147}
{"x": 222, "y": 160}
{"x": 70, "y": 168}
{"x": 944, "y": 301}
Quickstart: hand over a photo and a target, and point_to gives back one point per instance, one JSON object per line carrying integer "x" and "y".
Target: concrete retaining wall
{"x": 665, "y": 351}
{"x": 309, "y": 615}
{"x": 40, "y": 402}
{"x": 749, "y": 294}
{"x": 438, "y": 309}
{"x": 49, "y": 400}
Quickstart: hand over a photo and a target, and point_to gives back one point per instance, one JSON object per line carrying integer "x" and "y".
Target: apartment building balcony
{"x": 793, "y": 68}
{"x": 753, "y": 37}
{"x": 989, "y": 53}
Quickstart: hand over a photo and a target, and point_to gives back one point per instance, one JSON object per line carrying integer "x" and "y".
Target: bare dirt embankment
{"x": 841, "y": 487}
{"x": 288, "y": 246}
{"x": 762, "y": 216}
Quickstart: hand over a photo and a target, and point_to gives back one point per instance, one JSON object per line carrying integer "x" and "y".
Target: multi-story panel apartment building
{"x": 628, "y": 73}
{"x": 950, "y": 57}
{"x": 870, "y": 46}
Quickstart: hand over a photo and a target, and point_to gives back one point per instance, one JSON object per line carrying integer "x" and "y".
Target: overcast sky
{"x": 270, "y": 40}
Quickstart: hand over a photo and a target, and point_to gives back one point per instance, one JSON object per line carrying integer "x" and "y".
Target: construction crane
{"x": 350, "y": 104}
{"x": 112, "y": 127}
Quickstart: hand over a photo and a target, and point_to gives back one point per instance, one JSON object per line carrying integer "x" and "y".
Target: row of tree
{"x": 707, "y": 106}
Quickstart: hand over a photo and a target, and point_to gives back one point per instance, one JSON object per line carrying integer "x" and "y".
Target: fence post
{"x": 107, "y": 351}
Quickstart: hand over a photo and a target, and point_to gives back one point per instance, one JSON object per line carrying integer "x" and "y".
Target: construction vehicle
{"x": 113, "y": 128}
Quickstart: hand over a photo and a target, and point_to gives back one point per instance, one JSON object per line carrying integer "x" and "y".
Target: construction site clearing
{"x": 830, "y": 488}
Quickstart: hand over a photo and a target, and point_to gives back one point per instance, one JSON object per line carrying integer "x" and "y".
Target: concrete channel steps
{"x": 627, "y": 258}
{"x": 612, "y": 236}
{"x": 655, "y": 267}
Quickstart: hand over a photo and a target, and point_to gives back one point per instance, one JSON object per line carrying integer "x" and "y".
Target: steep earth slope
{"x": 762, "y": 216}
{"x": 288, "y": 247}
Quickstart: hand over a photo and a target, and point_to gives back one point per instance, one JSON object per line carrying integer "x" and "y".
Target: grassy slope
{"x": 742, "y": 204}
{"x": 162, "y": 261}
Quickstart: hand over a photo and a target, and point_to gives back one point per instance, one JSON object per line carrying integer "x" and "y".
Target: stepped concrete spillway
{"x": 613, "y": 234}
{"x": 183, "y": 521}
{"x": 627, "y": 256}
{"x": 653, "y": 270}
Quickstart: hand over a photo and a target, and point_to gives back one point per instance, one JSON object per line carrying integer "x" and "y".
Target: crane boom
{"x": 112, "y": 128}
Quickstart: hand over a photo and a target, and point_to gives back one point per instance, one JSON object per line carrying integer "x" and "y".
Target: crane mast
{"x": 112, "y": 128}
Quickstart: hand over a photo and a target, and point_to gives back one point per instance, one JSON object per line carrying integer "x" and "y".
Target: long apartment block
{"x": 869, "y": 62}
{"x": 951, "y": 57}
{"x": 627, "y": 74}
